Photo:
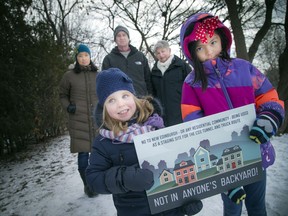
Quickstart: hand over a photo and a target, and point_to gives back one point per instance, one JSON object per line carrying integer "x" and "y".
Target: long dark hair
{"x": 78, "y": 68}
{"x": 198, "y": 66}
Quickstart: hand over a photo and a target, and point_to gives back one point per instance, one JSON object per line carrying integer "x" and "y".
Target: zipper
{"x": 223, "y": 87}
{"x": 121, "y": 158}
{"x": 88, "y": 103}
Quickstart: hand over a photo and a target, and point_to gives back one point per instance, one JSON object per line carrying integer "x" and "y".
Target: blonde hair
{"x": 144, "y": 109}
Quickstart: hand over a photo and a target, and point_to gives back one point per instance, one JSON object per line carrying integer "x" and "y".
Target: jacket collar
{"x": 218, "y": 63}
{"x": 176, "y": 62}
{"x": 132, "y": 50}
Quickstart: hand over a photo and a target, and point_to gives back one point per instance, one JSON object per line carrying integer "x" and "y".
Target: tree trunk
{"x": 283, "y": 76}
{"x": 263, "y": 30}
{"x": 239, "y": 37}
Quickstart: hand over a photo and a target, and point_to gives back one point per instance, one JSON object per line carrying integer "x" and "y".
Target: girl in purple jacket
{"x": 219, "y": 83}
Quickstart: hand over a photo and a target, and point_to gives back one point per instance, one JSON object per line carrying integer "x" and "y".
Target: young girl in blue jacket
{"x": 219, "y": 83}
{"x": 114, "y": 167}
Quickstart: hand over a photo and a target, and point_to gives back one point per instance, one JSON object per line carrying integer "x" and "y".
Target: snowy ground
{"x": 46, "y": 182}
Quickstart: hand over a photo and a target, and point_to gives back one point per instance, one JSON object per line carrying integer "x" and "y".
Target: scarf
{"x": 163, "y": 66}
{"x": 153, "y": 122}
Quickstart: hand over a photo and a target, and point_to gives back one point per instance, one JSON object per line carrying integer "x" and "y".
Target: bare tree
{"x": 151, "y": 19}
{"x": 234, "y": 10}
{"x": 283, "y": 74}
{"x": 55, "y": 13}
{"x": 67, "y": 19}
{"x": 238, "y": 33}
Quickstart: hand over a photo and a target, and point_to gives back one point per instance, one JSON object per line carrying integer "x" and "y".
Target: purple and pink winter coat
{"x": 231, "y": 84}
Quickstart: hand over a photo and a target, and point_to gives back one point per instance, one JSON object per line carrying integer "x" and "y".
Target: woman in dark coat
{"x": 167, "y": 76}
{"x": 78, "y": 98}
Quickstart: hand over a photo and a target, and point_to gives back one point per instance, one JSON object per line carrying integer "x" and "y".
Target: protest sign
{"x": 200, "y": 158}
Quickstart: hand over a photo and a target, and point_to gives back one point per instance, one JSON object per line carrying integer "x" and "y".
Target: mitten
{"x": 137, "y": 179}
{"x": 155, "y": 120}
{"x": 89, "y": 192}
{"x": 71, "y": 108}
{"x": 114, "y": 180}
{"x": 237, "y": 194}
{"x": 268, "y": 154}
{"x": 192, "y": 208}
{"x": 265, "y": 126}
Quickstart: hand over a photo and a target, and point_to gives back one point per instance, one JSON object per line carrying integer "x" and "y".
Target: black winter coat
{"x": 135, "y": 66}
{"x": 106, "y": 160}
{"x": 168, "y": 89}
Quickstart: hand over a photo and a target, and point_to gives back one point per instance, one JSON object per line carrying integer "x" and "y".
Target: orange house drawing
{"x": 184, "y": 172}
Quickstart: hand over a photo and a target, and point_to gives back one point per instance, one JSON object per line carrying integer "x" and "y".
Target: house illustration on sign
{"x": 231, "y": 158}
{"x": 185, "y": 173}
{"x": 202, "y": 159}
{"x": 165, "y": 177}
{"x": 213, "y": 160}
{"x": 202, "y": 164}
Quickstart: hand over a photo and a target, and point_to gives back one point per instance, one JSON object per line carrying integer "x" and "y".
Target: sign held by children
{"x": 200, "y": 158}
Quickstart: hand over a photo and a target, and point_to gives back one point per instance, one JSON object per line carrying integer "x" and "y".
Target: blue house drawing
{"x": 202, "y": 159}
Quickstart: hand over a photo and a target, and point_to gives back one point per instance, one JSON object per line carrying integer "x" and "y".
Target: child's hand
{"x": 71, "y": 108}
{"x": 155, "y": 120}
{"x": 192, "y": 208}
{"x": 263, "y": 128}
{"x": 137, "y": 179}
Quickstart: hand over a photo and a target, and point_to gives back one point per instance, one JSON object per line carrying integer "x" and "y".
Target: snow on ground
{"x": 45, "y": 181}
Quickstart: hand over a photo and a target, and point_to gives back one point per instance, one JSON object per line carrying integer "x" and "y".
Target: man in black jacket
{"x": 131, "y": 61}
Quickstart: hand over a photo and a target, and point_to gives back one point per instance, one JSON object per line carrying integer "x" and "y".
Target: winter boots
{"x": 87, "y": 190}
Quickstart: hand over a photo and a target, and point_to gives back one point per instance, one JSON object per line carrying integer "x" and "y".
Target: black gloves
{"x": 121, "y": 179}
{"x": 192, "y": 208}
{"x": 237, "y": 194}
{"x": 137, "y": 179}
{"x": 265, "y": 126}
{"x": 71, "y": 108}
